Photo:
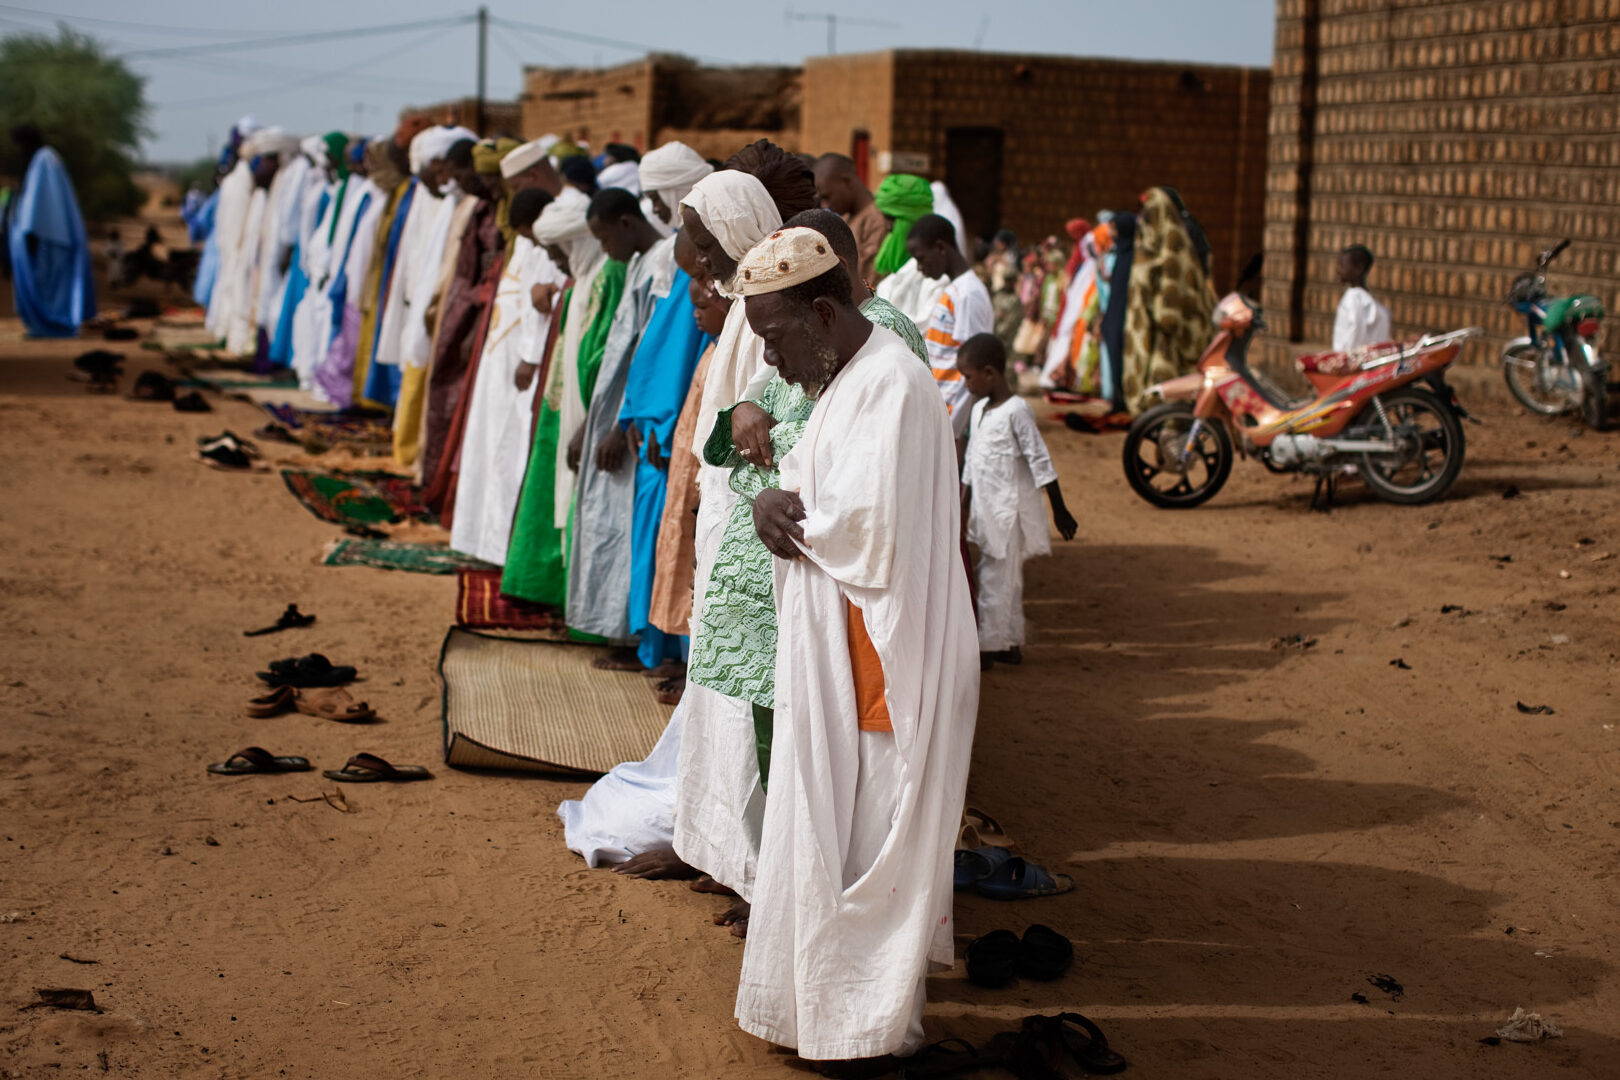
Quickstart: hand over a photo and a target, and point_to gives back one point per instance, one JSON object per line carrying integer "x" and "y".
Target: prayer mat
{"x": 399, "y": 555}
{"x": 480, "y": 606}
{"x": 282, "y": 395}
{"x": 232, "y": 379}
{"x": 367, "y": 431}
{"x": 540, "y": 706}
{"x": 356, "y": 498}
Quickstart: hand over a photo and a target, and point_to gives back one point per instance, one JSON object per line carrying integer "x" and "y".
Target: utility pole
{"x": 483, "y": 66}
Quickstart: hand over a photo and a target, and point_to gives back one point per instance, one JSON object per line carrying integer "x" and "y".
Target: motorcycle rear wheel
{"x": 1595, "y": 404}
{"x": 1152, "y": 454}
{"x": 1424, "y": 426}
{"x": 1521, "y": 366}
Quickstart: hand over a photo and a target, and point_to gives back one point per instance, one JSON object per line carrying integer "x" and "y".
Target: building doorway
{"x": 860, "y": 152}
{"x": 973, "y": 173}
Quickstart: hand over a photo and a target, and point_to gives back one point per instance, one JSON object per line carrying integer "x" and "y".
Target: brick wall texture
{"x": 1456, "y": 140}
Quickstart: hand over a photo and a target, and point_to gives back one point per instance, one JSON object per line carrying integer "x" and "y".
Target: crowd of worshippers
{"x": 663, "y": 394}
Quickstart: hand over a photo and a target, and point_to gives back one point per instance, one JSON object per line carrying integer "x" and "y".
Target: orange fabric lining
{"x": 871, "y": 710}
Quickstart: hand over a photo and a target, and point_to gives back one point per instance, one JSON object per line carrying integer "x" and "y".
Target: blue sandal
{"x": 974, "y": 866}
{"x": 1017, "y": 879}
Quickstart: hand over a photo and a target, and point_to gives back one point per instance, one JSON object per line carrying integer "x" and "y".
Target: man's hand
{"x": 632, "y": 436}
{"x": 751, "y": 434}
{"x": 654, "y": 457}
{"x": 777, "y": 514}
{"x": 541, "y": 296}
{"x": 610, "y": 451}
{"x": 576, "y": 447}
{"x": 525, "y": 375}
{"x": 1066, "y": 525}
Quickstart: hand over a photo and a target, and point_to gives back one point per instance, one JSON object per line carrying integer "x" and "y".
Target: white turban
{"x": 621, "y": 174}
{"x": 562, "y": 224}
{"x": 270, "y": 140}
{"x": 315, "y": 147}
{"x": 246, "y": 126}
{"x": 435, "y": 142}
{"x": 737, "y": 209}
{"x": 671, "y": 171}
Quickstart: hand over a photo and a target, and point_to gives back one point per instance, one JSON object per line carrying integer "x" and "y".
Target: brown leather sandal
{"x": 274, "y": 703}
{"x": 333, "y": 703}
{"x": 366, "y": 768}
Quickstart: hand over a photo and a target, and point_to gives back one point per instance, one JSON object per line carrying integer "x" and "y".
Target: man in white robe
{"x": 230, "y": 220}
{"x": 719, "y": 804}
{"x": 495, "y": 449}
{"x": 874, "y": 718}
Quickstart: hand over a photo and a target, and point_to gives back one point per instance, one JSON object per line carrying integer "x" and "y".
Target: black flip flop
{"x": 256, "y": 759}
{"x": 992, "y": 960}
{"x": 1044, "y": 953}
{"x": 290, "y": 619}
{"x": 1086, "y": 1043}
{"x": 307, "y": 672}
{"x": 953, "y": 1057}
{"x": 192, "y": 402}
{"x": 366, "y": 768}
{"x": 152, "y": 386}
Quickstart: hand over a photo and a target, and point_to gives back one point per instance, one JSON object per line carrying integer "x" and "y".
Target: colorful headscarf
{"x": 336, "y": 143}
{"x": 1076, "y": 228}
{"x": 905, "y": 198}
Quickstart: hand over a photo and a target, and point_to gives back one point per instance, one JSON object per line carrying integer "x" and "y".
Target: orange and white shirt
{"x": 961, "y": 311}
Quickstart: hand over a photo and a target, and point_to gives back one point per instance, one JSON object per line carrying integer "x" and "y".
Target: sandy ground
{"x": 1255, "y": 830}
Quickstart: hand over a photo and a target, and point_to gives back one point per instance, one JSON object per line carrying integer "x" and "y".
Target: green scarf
{"x": 905, "y": 198}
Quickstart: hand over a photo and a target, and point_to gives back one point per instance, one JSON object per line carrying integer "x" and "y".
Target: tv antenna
{"x": 832, "y": 20}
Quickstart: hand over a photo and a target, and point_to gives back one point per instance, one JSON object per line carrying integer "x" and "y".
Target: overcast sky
{"x": 361, "y": 82}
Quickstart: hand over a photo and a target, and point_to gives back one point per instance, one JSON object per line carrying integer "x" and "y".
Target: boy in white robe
{"x": 874, "y": 721}
{"x": 1003, "y": 472}
{"x": 1361, "y": 319}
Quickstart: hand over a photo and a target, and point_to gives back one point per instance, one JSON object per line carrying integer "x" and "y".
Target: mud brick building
{"x": 1455, "y": 139}
{"x": 500, "y": 117}
{"x": 716, "y": 111}
{"x": 1027, "y": 142}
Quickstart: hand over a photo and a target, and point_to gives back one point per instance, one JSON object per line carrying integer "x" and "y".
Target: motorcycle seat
{"x": 1567, "y": 309}
{"x": 1345, "y": 363}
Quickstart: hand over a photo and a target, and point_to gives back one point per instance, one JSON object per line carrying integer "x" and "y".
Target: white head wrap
{"x": 562, "y": 223}
{"x": 671, "y": 171}
{"x": 435, "y": 142}
{"x": 621, "y": 174}
{"x": 270, "y": 140}
{"x": 315, "y": 147}
{"x": 737, "y": 209}
{"x": 246, "y": 126}
{"x": 786, "y": 258}
{"x": 524, "y": 157}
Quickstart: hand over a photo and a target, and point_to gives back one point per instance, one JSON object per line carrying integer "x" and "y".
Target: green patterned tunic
{"x": 734, "y": 652}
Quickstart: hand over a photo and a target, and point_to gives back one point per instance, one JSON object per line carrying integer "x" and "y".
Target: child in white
{"x": 1004, "y": 470}
{"x": 1361, "y": 319}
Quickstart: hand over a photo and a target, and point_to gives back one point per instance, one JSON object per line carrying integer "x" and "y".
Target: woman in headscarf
{"x": 903, "y": 198}
{"x": 1167, "y": 324}
{"x": 535, "y": 569}
{"x": 1057, "y": 366}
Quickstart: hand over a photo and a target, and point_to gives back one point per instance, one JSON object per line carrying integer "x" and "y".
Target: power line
{"x": 141, "y": 27}
{"x": 590, "y": 39}
{"x": 301, "y": 39}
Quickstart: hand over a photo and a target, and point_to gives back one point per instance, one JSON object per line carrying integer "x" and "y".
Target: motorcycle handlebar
{"x": 1552, "y": 253}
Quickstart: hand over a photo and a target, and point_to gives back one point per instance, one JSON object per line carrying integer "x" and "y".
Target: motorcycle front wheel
{"x": 1429, "y": 449}
{"x": 1522, "y": 369}
{"x": 1168, "y": 472}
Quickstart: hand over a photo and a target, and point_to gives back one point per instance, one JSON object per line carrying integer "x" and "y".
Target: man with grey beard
{"x": 876, "y": 680}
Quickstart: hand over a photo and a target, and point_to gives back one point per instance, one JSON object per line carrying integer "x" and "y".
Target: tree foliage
{"x": 90, "y": 107}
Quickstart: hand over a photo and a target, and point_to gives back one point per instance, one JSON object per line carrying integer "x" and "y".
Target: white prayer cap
{"x": 621, "y": 174}
{"x": 736, "y": 208}
{"x": 547, "y": 142}
{"x": 784, "y": 259}
{"x": 524, "y": 157}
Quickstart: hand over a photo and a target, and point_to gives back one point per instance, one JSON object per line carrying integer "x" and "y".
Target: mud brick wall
{"x": 1455, "y": 140}
{"x": 611, "y": 105}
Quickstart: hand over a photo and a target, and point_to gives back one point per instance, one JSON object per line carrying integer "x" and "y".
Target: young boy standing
{"x": 1005, "y": 467}
{"x": 961, "y": 311}
{"x": 1361, "y": 320}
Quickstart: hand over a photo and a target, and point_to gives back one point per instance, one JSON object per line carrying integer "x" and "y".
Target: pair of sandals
{"x": 995, "y": 959}
{"x": 309, "y": 671}
{"x": 1044, "y": 1048}
{"x": 325, "y": 703}
{"x": 362, "y": 768}
{"x": 228, "y": 451}
{"x": 986, "y": 862}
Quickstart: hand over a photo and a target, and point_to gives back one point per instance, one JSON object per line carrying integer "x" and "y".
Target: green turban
{"x": 562, "y": 150}
{"x": 905, "y": 198}
{"x": 487, "y": 155}
{"x": 337, "y": 152}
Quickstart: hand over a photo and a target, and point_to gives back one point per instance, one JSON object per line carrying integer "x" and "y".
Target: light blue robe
{"x": 53, "y": 286}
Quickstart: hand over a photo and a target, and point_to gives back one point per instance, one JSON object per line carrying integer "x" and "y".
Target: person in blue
{"x": 50, "y": 255}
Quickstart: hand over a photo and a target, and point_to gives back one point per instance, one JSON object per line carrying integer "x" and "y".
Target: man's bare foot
{"x": 739, "y": 929}
{"x": 656, "y": 865}
{"x": 669, "y": 669}
{"x": 619, "y": 660}
{"x": 670, "y": 691}
{"x": 707, "y": 884}
{"x": 734, "y": 914}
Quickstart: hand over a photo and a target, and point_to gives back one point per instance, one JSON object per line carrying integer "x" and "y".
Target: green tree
{"x": 90, "y": 107}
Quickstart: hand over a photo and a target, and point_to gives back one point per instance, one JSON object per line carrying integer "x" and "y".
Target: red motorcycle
{"x": 1383, "y": 412}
